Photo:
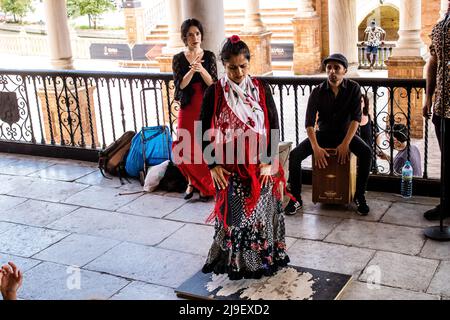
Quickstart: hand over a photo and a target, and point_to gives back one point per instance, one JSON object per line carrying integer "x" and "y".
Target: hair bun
{"x": 235, "y": 39}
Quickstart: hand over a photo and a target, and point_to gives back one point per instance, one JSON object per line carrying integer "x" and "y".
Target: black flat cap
{"x": 338, "y": 58}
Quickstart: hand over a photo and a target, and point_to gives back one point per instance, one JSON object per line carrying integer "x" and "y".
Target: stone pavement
{"x": 75, "y": 237}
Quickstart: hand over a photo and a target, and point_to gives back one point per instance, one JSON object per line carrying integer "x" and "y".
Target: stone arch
{"x": 387, "y": 16}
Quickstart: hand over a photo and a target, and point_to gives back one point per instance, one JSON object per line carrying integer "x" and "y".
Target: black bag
{"x": 173, "y": 180}
{"x": 112, "y": 159}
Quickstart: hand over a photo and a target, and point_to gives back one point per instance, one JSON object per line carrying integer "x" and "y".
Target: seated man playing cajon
{"x": 337, "y": 104}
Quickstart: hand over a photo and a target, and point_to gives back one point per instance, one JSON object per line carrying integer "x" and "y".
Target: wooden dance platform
{"x": 289, "y": 283}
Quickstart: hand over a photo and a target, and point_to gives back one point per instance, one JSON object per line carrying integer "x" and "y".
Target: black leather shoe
{"x": 204, "y": 198}
{"x": 293, "y": 207}
{"x": 189, "y": 195}
{"x": 363, "y": 208}
{"x": 435, "y": 214}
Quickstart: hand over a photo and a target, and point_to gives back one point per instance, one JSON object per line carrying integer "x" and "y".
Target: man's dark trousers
{"x": 446, "y": 149}
{"x": 329, "y": 140}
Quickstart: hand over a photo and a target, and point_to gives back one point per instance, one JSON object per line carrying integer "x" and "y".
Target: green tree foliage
{"x": 18, "y": 8}
{"x": 92, "y": 8}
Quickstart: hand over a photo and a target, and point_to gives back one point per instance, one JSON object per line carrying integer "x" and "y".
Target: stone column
{"x": 134, "y": 21}
{"x": 409, "y": 43}
{"x": 175, "y": 44}
{"x": 58, "y": 34}
{"x": 307, "y": 49}
{"x": 344, "y": 31}
{"x": 211, "y": 14}
{"x": 256, "y": 36}
{"x": 407, "y": 62}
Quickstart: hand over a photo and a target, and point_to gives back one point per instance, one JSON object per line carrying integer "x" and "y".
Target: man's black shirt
{"x": 334, "y": 113}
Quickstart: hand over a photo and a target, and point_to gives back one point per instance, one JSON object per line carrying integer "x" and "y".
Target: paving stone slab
{"x": 97, "y": 179}
{"x": 195, "y": 212}
{"x": 361, "y": 291}
{"x": 76, "y": 250}
{"x": 150, "y": 205}
{"x": 408, "y": 214}
{"x": 23, "y": 167}
{"x": 436, "y": 250}
{"x": 5, "y": 226}
{"x": 400, "y": 271}
{"x": 8, "y": 183}
{"x": 290, "y": 241}
{"x": 137, "y": 290}
{"x": 329, "y": 257}
{"x": 63, "y": 172}
{"x": 41, "y": 189}
{"x": 24, "y": 264}
{"x": 441, "y": 280}
{"x": 192, "y": 238}
{"x": 36, "y": 213}
{"x": 8, "y": 202}
{"x": 7, "y": 158}
{"x": 154, "y": 265}
{"x": 431, "y": 201}
{"x": 68, "y": 283}
{"x": 101, "y": 198}
{"x": 118, "y": 226}
{"x": 309, "y": 226}
{"x": 133, "y": 185}
{"x": 377, "y": 209}
{"x": 378, "y": 236}
{"x": 26, "y": 241}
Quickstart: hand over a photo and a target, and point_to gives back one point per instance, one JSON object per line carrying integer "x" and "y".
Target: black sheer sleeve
{"x": 177, "y": 75}
{"x": 206, "y": 116}
{"x": 213, "y": 67}
{"x": 274, "y": 124}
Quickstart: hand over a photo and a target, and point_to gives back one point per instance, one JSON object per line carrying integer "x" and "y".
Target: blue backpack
{"x": 149, "y": 147}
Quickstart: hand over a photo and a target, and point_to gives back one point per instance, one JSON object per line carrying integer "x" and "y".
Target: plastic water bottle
{"x": 407, "y": 175}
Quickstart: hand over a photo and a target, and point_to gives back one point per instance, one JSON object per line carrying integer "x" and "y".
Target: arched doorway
{"x": 387, "y": 17}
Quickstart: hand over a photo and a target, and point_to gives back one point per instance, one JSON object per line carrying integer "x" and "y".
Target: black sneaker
{"x": 293, "y": 206}
{"x": 363, "y": 208}
{"x": 435, "y": 214}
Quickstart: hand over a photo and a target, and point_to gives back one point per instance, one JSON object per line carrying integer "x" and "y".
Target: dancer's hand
{"x": 218, "y": 175}
{"x": 265, "y": 174}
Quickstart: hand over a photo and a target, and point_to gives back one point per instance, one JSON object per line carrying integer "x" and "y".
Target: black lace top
{"x": 180, "y": 67}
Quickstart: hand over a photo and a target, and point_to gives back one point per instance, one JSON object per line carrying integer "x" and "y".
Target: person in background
{"x": 366, "y": 126}
{"x": 400, "y": 137}
{"x": 194, "y": 69}
{"x": 373, "y": 38}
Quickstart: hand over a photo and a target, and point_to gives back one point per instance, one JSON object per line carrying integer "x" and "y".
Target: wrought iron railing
{"x": 384, "y": 52}
{"x": 24, "y": 44}
{"x": 89, "y": 110}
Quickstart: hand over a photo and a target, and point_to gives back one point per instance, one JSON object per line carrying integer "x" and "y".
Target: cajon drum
{"x": 336, "y": 184}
